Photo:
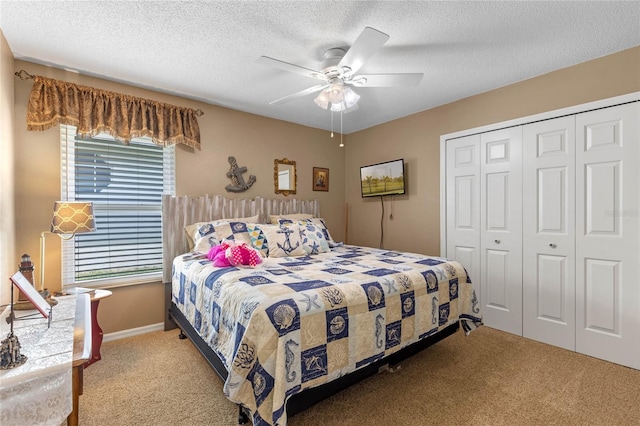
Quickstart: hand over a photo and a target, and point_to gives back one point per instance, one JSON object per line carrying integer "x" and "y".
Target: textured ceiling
{"x": 208, "y": 50}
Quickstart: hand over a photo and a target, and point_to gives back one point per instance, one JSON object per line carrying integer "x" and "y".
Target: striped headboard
{"x": 180, "y": 211}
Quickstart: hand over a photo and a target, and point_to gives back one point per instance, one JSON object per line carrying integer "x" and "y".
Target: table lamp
{"x": 69, "y": 218}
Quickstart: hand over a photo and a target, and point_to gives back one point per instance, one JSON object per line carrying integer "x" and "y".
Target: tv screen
{"x": 382, "y": 179}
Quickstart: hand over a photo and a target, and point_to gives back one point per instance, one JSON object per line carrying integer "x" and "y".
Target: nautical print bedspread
{"x": 297, "y": 322}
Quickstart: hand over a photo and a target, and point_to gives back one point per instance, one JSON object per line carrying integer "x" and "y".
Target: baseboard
{"x": 133, "y": 332}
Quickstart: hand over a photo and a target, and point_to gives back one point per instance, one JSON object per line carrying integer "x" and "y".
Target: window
{"x": 125, "y": 184}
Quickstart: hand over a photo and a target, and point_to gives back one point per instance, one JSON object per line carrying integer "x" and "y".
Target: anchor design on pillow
{"x": 237, "y": 181}
{"x": 287, "y": 247}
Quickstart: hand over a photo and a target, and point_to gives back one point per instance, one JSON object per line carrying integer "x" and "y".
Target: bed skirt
{"x": 308, "y": 397}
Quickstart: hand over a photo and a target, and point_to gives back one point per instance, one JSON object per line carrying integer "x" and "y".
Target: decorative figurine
{"x": 26, "y": 268}
{"x": 237, "y": 181}
{"x": 10, "y": 355}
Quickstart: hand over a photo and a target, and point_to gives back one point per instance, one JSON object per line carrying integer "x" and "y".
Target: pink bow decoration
{"x": 233, "y": 253}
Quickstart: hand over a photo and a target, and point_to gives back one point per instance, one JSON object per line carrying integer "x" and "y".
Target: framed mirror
{"x": 284, "y": 176}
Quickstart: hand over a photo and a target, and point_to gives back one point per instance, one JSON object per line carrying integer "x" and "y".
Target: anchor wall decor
{"x": 237, "y": 180}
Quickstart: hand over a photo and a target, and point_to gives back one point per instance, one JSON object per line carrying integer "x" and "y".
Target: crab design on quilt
{"x": 404, "y": 281}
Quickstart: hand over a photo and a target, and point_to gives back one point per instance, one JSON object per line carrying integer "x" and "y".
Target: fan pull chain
{"x": 341, "y": 143}
{"x": 331, "y": 123}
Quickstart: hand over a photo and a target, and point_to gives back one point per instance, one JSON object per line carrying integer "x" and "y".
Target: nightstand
{"x": 96, "y": 331}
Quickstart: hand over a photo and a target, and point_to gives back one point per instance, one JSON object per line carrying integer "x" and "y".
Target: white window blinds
{"x": 125, "y": 184}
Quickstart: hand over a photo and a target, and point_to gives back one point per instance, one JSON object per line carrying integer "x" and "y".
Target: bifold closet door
{"x": 548, "y": 228}
{"x": 608, "y": 234}
{"x": 501, "y": 229}
{"x": 463, "y": 205}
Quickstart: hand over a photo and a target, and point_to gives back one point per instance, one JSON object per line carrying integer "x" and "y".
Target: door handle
{"x": 552, "y": 245}
{"x": 497, "y": 241}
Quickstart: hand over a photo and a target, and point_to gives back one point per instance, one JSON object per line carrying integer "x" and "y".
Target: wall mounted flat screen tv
{"x": 382, "y": 179}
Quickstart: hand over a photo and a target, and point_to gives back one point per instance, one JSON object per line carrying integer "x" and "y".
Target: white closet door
{"x": 548, "y": 253}
{"x": 463, "y": 205}
{"x": 608, "y": 234}
{"x": 501, "y": 229}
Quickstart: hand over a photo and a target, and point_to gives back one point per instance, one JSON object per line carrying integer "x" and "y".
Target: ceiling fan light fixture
{"x": 337, "y": 107}
{"x": 349, "y": 97}
{"x": 322, "y": 100}
{"x": 336, "y": 93}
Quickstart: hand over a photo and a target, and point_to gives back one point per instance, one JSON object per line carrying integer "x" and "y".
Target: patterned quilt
{"x": 293, "y": 323}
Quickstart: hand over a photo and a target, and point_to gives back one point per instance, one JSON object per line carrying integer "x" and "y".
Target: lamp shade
{"x": 72, "y": 218}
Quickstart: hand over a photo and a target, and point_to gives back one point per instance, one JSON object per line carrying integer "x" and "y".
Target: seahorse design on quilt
{"x": 434, "y": 310}
{"x": 474, "y": 301}
{"x": 288, "y": 360}
{"x": 379, "y": 327}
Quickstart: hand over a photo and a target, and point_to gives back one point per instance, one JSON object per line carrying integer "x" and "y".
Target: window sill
{"x": 106, "y": 283}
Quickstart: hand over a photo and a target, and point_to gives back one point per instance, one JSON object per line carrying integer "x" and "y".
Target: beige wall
{"x": 416, "y": 223}
{"x": 254, "y": 141}
{"x": 8, "y": 261}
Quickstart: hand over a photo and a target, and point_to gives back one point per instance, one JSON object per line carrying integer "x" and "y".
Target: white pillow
{"x": 192, "y": 230}
{"x": 321, "y": 225}
{"x": 312, "y": 236}
{"x": 283, "y": 241}
{"x": 212, "y": 235}
{"x": 295, "y": 216}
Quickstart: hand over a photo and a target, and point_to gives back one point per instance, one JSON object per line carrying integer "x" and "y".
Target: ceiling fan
{"x": 339, "y": 71}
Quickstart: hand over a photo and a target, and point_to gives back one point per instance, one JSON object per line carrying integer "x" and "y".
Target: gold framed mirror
{"x": 284, "y": 176}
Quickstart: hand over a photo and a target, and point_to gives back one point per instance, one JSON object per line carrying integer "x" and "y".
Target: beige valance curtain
{"x": 124, "y": 117}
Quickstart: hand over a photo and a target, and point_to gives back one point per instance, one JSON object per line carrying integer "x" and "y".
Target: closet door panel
{"x": 463, "y": 205}
{"x": 548, "y": 260}
{"x": 501, "y": 229}
{"x": 608, "y": 234}
{"x": 497, "y": 295}
{"x": 550, "y": 289}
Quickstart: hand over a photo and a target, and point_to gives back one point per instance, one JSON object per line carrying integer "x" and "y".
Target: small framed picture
{"x": 320, "y": 179}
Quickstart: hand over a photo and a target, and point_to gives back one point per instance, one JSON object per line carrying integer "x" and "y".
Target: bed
{"x": 297, "y": 328}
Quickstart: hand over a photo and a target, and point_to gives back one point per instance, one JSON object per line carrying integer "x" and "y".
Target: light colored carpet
{"x": 486, "y": 378}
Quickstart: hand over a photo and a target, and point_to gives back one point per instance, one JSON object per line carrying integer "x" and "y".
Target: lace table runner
{"x": 38, "y": 392}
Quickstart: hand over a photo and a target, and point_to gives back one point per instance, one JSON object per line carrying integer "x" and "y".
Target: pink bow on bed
{"x": 232, "y": 253}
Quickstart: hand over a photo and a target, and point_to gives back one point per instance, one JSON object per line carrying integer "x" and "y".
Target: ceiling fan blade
{"x": 387, "y": 80}
{"x": 291, "y": 67}
{"x": 299, "y": 94}
{"x": 368, "y": 42}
